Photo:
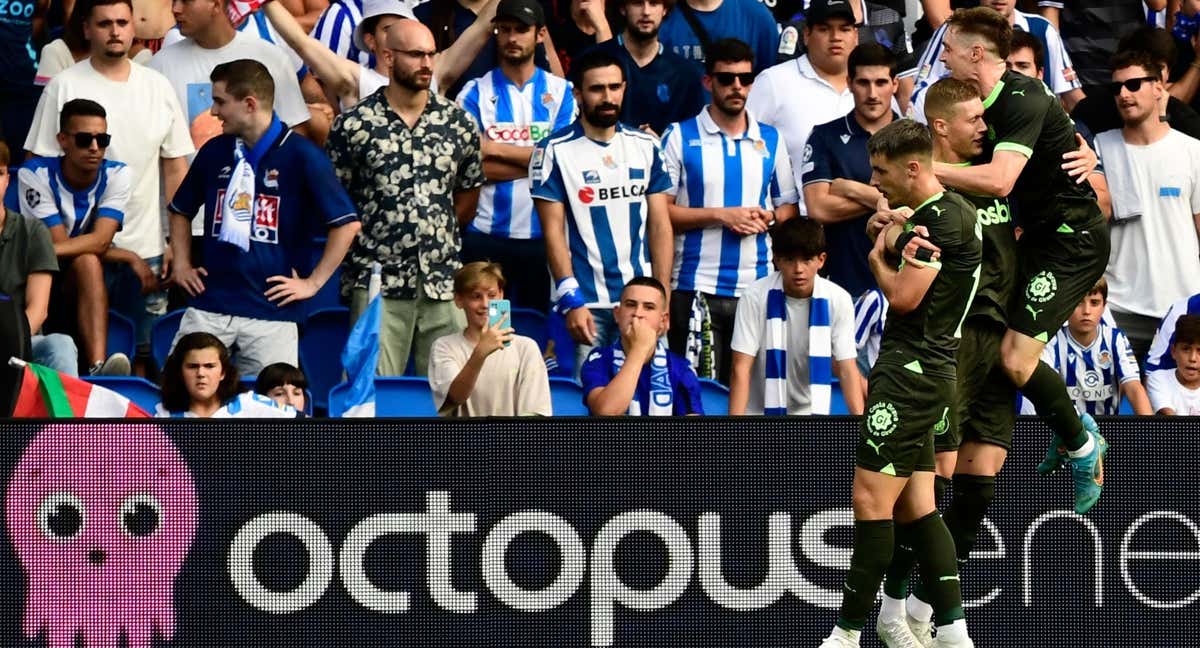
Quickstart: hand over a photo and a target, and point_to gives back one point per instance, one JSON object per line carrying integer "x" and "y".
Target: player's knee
{"x": 869, "y": 505}
{"x": 1017, "y": 367}
{"x": 87, "y": 268}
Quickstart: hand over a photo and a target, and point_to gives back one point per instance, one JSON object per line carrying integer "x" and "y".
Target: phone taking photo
{"x": 497, "y": 310}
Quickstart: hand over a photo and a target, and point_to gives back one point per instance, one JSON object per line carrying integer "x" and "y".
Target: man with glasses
{"x": 730, "y": 180}
{"x": 516, "y": 105}
{"x": 411, "y": 162}
{"x": 1154, "y": 173}
{"x": 81, "y": 198}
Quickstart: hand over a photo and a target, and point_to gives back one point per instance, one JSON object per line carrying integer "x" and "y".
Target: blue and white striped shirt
{"x": 45, "y": 195}
{"x": 520, "y": 116}
{"x": 870, "y": 315}
{"x": 1159, "y": 356}
{"x": 710, "y": 169}
{"x": 603, "y": 186}
{"x": 1094, "y": 374}
{"x": 335, "y": 29}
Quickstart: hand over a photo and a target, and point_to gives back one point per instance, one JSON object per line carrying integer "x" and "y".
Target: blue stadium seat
{"x": 1126, "y": 407}
{"x": 395, "y": 396}
{"x": 321, "y": 343}
{"x": 122, "y": 337}
{"x": 564, "y": 345}
{"x": 566, "y": 397}
{"x": 715, "y": 397}
{"x": 162, "y": 334}
{"x": 142, "y": 392}
{"x": 531, "y": 324}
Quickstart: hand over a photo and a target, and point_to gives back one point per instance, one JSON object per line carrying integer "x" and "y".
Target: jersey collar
{"x": 752, "y": 132}
{"x": 266, "y": 142}
{"x": 934, "y": 198}
{"x": 991, "y": 98}
{"x": 621, "y": 42}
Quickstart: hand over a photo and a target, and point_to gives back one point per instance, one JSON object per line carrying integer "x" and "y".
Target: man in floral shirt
{"x": 410, "y": 160}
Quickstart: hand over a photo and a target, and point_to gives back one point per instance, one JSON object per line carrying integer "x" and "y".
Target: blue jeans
{"x": 56, "y": 351}
{"x": 607, "y": 334}
{"x": 125, "y": 297}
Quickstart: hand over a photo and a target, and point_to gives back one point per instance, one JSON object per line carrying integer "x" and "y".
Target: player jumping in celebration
{"x": 1064, "y": 247}
{"x": 912, "y": 385}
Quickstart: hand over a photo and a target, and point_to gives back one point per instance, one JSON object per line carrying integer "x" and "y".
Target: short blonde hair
{"x": 472, "y": 274}
{"x": 944, "y": 96}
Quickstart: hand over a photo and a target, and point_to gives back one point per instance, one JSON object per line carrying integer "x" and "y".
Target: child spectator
{"x": 638, "y": 376}
{"x": 1177, "y": 391}
{"x": 486, "y": 370}
{"x": 284, "y": 384}
{"x": 199, "y": 380}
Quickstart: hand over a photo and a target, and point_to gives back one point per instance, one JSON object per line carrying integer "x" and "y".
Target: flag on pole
{"x": 239, "y": 9}
{"x": 46, "y": 393}
{"x": 360, "y": 358}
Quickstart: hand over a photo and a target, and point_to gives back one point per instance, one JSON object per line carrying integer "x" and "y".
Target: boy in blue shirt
{"x": 638, "y": 376}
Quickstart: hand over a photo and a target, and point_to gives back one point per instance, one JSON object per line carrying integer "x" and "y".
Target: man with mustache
{"x": 601, "y": 191}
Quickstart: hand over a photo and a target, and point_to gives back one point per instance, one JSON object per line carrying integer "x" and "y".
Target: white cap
{"x": 373, "y": 8}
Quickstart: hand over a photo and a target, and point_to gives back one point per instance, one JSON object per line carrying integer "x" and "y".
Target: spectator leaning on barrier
{"x": 200, "y": 381}
{"x": 794, "y": 333}
{"x": 1177, "y": 391}
{"x": 486, "y": 370}
{"x": 661, "y": 87}
{"x": 80, "y": 197}
{"x": 266, "y": 193}
{"x": 638, "y": 375}
{"x": 26, "y": 263}
{"x": 515, "y": 106}
{"x": 147, "y": 127}
{"x": 1154, "y": 173}
{"x": 731, "y": 179}
{"x": 600, "y": 188}
{"x": 410, "y": 161}
{"x": 819, "y": 77}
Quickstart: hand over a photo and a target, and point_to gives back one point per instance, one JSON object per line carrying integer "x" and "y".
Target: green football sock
{"x": 1048, "y": 393}
{"x": 939, "y": 569}
{"x": 873, "y": 541}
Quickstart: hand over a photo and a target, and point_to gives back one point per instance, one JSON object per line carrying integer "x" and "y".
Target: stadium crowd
{"x": 681, "y": 191}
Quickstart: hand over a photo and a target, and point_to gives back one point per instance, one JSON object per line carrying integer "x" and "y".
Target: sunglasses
{"x": 1132, "y": 85}
{"x": 726, "y": 78}
{"x": 84, "y": 140}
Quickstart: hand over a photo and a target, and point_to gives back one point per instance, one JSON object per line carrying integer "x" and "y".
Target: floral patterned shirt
{"x": 403, "y": 181}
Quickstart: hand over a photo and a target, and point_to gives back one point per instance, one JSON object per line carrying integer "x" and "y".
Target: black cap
{"x": 822, "y": 10}
{"x": 528, "y": 12}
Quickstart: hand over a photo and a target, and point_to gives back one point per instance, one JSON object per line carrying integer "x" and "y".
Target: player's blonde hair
{"x": 944, "y": 96}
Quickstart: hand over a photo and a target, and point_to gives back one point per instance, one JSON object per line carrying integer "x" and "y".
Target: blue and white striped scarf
{"x": 820, "y": 349}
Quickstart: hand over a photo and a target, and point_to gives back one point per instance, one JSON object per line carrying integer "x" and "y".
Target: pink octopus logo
{"x": 101, "y": 519}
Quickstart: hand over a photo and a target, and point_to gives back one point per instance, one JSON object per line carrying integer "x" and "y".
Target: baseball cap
{"x": 528, "y": 12}
{"x": 822, "y": 10}
{"x": 373, "y": 8}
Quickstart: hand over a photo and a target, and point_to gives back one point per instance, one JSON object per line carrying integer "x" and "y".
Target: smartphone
{"x": 497, "y": 310}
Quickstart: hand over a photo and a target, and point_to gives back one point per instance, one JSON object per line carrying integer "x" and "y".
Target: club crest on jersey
{"x": 760, "y": 147}
{"x": 271, "y": 179}
{"x": 1104, "y": 360}
{"x": 845, "y": 138}
{"x": 591, "y": 177}
{"x": 609, "y": 162}
{"x": 663, "y": 92}
{"x": 265, "y": 225}
{"x": 547, "y": 99}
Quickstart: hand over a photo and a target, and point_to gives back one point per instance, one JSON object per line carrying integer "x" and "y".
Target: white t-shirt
{"x": 244, "y": 405}
{"x": 1166, "y": 392}
{"x": 188, "y": 66}
{"x": 146, "y": 124}
{"x": 257, "y": 25}
{"x": 512, "y": 381}
{"x": 1167, "y": 176}
{"x": 750, "y": 338}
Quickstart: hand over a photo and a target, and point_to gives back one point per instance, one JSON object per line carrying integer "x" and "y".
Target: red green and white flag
{"x": 46, "y": 393}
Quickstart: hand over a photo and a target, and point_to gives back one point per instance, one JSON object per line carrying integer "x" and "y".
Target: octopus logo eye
{"x": 140, "y": 515}
{"x": 60, "y": 516}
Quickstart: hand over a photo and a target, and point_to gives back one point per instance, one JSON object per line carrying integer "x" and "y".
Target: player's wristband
{"x": 566, "y": 296}
{"x": 902, "y": 242}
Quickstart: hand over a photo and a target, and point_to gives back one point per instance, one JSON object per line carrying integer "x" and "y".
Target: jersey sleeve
{"x": 842, "y": 327}
{"x": 818, "y": 166}
{"x": 178, "y": 141}
{"x": 749, "y": 321}
{"x": 35, "y": 198}
{"x": 189, "y": 198}
{"x": 468, "y": 98}
{"x": 547, "y": 181}
{"x": 660, "y": 180}
{"x": 868, "y": 314}
{"x": 335, "y": 29}
{"x": 116, "y": 195}
{"x": 334, "y": 207}
{"x": 1059, "y": 74}
{"x": 566, "y": 112}
{"x": 783, "y": 179}
{"x": 1125, "y": 362}
{"x": 595, "y": 372}
{"x": 1018, "y": 128}
{"x": 688, "y": 396}
{"x": 672, "y": 148}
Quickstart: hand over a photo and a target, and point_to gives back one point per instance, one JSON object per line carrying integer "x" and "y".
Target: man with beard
{"x": 661, "y": 86}
{"x": 731, "y": 179}
{"x": 410, "y": 161}
{"x": 516, "y": 106}
{"x": 600, "y": 189}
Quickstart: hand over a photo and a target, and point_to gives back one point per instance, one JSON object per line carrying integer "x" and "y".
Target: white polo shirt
{"x": 791, "y": 97}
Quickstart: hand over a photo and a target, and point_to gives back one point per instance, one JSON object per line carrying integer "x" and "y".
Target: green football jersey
{"x": 1022, "y": 115}
{"x": 998, "y": 270}
{"x": 925, "y": 340}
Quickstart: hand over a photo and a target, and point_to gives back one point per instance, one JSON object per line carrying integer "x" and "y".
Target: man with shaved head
{"x": 410, "y": 160}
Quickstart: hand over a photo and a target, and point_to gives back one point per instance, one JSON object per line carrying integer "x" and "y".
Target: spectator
{"x": 72, "y": 47}
{"x": 794, "y": 333}
{"x": 515, "y": 106}
{"x": 335, "y": 30}
{"x": 695, "y": 24}
{"x": 1177, "y": 391}
{"x": 1154, "y": 173}
{"x": 26, "y": 263}
{"x": 1062, "y": 79}
{"x": 200, "y": 381}
{"x": 1160, "y": 348}
{"x": 486, "y": 370}
{"x": 211, "y": 39}
{"x": 81, "y": 198}
{"x": 661, "y": 86}
{"x": 410, "y": 161}
{"x": 837, "y": 179}
{"x": 876, "y": 23}
{"x": 601, "y": 186}
{"x": 18, "y": 64}
{"x": 260, "y": 217}
{"x": 285, "y": 384}
{"x": 581, "y": 25}
{"x": 819, "y": 76}
{"x": 637, "y": 375}
{"x": 1095, "y": 360}
{"x": 1091, "y": 31}
{"x": 147, "y": 126}
{"x": 731, "y": 179}
{"x": 1026, "y": 56}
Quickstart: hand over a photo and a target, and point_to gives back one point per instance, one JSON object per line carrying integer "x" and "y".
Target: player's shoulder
{"x": 38, "y": 166}
{"x": 570, "y": 133}
{"x": 1021, "y": 90}
{"x": 637, "y": 135}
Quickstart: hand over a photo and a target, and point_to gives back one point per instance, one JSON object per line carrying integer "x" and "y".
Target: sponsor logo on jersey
{"x": 589, "y": 194}
{"x": 518, "y": 133}
{"x": 271, "y": 179}
{"x": 265, "y": 227}
{"x": 997, "y": 213}
{"x": 591, "y": 177}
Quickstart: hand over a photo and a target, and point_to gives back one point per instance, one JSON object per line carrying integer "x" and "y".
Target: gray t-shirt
{"x": 25, "y": 248}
